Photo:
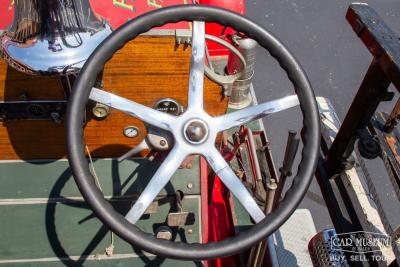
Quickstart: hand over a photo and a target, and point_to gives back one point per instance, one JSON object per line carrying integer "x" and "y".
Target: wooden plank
{"x": 145, "y": 70}
{"x": 380, "y": 40}
{"x": 14, "y": 84}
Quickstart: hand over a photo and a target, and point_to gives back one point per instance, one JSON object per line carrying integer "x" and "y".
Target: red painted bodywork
{"x": 6, "y": 13}
{"x": 220, "y": 221}
{"x": 237, "y": 6}
{"x": 117, "y": 12}
{"x": 217, "y": 214}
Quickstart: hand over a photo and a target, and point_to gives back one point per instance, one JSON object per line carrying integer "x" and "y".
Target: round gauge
{"x": 168, "y": 105}
{"x": 131, "y": 131}
{"x": 100, "y": 111}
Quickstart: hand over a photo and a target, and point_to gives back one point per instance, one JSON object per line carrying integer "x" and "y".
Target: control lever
{"x": 292, "y": 146}
{"x": 274, "y": 192}
{"x": 136, "y": 150}
{"x": 257, "y": 253}
{"x": 156, "y": 139}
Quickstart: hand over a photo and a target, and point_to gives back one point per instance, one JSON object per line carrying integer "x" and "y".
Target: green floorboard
{"x": 33, "y": 228}
{"x": 59, "y": 230}
{"x": 137, "y": 262}
{"x": 52, "y": 179}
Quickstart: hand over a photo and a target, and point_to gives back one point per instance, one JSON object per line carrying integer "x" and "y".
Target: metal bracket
{"x": 383, "y": 44}
{"x": 32, "y": 110}
{"x": 368, "y": 145}
{"x": 183, "y": 36}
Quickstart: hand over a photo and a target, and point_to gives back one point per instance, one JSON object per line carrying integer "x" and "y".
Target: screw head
{"x": 190, "y": 185}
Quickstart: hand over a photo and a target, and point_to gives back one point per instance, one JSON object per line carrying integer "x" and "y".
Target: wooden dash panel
{"x": 145, "y": 70}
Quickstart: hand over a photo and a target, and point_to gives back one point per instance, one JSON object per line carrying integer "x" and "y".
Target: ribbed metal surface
{"x": 323, "y": 254}
{"x": 51, "y": 18}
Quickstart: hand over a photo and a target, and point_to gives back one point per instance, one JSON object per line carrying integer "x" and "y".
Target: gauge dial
{"x": 131, "y": 131}
{"x": 168, "y": 105}
{"x": 100, "y": 111}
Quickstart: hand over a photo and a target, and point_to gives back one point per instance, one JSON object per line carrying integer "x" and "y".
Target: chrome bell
{"x": 52, "y": 36}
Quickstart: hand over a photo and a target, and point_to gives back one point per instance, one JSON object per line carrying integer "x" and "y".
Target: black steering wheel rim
{"x": 116, "y": 221}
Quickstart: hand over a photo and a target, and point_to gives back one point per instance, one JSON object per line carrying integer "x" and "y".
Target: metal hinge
{"x": 183, "y": 36}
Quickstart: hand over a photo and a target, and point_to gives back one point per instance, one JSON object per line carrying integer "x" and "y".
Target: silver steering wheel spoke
{"x": 196, "y": 74}
{"x": 156, "y": 184}
{"x": 252, "y": 113}
{"x": 146, "y": 114}
{"x": 233, "y": 183}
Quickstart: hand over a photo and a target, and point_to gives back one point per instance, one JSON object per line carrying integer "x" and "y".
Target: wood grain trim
{"x": 145, "y": 70}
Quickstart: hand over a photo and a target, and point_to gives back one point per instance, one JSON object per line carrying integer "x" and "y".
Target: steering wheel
{"x": 194, "y": 132}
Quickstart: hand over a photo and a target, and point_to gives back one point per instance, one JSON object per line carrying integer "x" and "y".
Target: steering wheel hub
{"x": 195, "y": 131}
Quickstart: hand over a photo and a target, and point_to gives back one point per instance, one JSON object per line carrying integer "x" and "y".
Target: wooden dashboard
{"x": 145, "y": 70}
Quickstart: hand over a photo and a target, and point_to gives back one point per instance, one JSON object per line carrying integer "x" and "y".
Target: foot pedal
{"x": 180, "y": 217}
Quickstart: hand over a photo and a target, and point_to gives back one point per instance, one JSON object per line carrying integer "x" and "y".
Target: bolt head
{"x": 195, "y": 131}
